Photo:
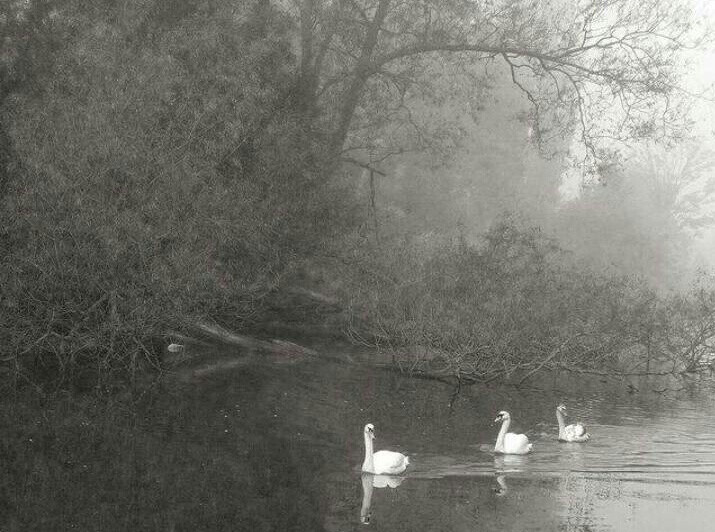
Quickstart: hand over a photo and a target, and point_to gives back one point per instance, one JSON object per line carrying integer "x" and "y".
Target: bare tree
{"x": 680, "y": 182}
{"x": 603, "y": 70}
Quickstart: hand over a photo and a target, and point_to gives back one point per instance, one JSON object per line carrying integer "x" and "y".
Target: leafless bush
{"x": 516, "y": 305}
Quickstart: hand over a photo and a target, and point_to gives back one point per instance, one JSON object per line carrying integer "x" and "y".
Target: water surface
{"x": 266, "y": 446}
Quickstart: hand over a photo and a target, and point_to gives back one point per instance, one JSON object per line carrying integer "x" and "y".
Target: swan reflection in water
{"x": 370, "y": 482}
{"x": 503, "y": 464}
{"x": 501, "y": 488}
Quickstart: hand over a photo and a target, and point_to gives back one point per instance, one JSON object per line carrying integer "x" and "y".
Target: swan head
{"x": 502, "y": 416}
{"x": 561, "y": 408}
{"x": 370, "y": 430}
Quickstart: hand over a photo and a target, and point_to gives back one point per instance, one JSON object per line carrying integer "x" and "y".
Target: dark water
{"x": 278, "y": 447}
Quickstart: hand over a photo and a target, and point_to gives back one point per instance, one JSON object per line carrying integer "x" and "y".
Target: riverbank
{"x": 505, "y": 309}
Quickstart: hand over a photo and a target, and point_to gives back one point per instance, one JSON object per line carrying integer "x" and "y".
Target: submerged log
{"x": 219, "y": 335}
{"x": 314, "y": 296}
{"x": 224, "y": 336}
{"x": 214, "y": 339}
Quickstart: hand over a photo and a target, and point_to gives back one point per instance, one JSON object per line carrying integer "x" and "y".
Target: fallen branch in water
{"x": 218, "y": 333}
{"x": 617, "y": 373}
{"x": 448, "y": 375}
{"x": 545, "y": 361}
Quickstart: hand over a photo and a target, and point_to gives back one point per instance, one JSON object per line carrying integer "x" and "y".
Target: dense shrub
{"x": 517, "y": 303}
{"x": 157, "y": 187}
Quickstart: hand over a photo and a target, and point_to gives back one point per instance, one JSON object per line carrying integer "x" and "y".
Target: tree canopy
{"x": 599, "y": 71}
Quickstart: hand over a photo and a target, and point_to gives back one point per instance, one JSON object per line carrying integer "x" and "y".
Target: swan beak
{"x": 497, "y": 419}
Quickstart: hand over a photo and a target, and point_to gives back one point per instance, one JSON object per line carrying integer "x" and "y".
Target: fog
{"x": 486, "y": 181}
{"x": 233, "y": 233}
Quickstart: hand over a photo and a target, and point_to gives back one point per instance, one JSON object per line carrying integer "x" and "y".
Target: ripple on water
{"x": 648, "y": 462}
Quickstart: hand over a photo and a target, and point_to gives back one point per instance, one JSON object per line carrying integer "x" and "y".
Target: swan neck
{"x": 560, "y": 419}
{"x": 367, "y": 464}
{"x": 500, "y": 437}
{"x": 562, "y": 424}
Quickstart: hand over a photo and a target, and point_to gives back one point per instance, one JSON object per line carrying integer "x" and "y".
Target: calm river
{"x": 278, "y": 447}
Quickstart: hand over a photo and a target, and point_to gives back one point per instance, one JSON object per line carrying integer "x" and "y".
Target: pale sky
{"x": 703, "y": 75}
{"x": 701, "y": 78}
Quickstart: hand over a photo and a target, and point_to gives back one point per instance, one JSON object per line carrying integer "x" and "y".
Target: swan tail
{"x": 407, "y": 461}
{"x": 529, "y": 447}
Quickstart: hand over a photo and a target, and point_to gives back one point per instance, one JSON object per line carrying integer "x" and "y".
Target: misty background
{"x": 233, "y": 232}
{"x": 482, "y": 180}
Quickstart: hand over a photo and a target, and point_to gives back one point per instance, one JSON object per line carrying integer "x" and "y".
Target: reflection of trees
{"x": 186, "y": 459}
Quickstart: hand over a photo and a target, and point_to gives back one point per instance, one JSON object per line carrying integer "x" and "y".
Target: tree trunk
{"x": 7, "y": 157}
{"x": 363, "y": 71}
{"x": 373, "y": 207}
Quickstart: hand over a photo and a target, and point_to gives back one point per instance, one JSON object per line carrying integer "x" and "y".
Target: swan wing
{"x": 576, "y": 432}
{"x": 389, "y": 462}
{"x": 579, "y": 429}
{"x": 516, "y": 443}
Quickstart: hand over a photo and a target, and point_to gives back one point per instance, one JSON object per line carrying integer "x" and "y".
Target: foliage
{"x": 644, "y": 219}
{"x": 170, "y": 160}
{"x": 517, "y": 304}
{"x": 157, "y": 186}
{"x": 496, "y": 170}
{"x": 679, "y": 180}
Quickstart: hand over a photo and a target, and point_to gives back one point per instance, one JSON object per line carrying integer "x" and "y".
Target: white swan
{"x": 508, "y": 442}
{"x": 381, "y": 462}
{"x": 571, "y": 433}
